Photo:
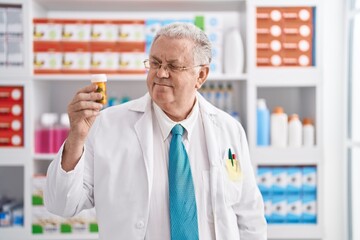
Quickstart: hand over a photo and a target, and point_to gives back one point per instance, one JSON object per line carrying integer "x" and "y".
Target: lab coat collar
{"x": 166, "y": 124}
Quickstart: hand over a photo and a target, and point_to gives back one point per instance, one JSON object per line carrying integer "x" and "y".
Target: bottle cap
{"x": 49, "y": 119}
{"x": 293, "y": 117}
{"x": 64, "y": 120}
{"x": 278, "y": 110}
{"x": 307, "y": 121}
{"x": 261, "y": 103}
{"x": 98, "y": 78}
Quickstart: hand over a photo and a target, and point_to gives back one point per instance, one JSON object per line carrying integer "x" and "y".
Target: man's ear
{"x": 202, "y": 76}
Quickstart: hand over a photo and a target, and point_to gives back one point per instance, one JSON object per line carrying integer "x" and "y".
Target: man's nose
{"x": 162, "y": 72}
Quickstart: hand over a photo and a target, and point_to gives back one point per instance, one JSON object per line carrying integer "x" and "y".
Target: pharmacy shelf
{"x": 286, "y": 156}
{"x": 286, "y": 75}
{"x": 44, "y": 157}
{"x": 126, "y": 77}
{"x": 285, "y": 3}
{"x": 13, "y": 157}
{"x": 286, "y": 231}
{"x": 289, "y": 82}
{"x": 140, "y": 5}
{"x": 71, "y": 236}
{"x": 13, "y": 233}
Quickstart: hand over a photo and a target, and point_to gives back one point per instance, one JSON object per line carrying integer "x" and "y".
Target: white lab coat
{"x": 115, "y": 175}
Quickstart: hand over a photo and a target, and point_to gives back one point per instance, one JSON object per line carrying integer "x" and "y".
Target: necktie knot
{"x": 177, "y": 129}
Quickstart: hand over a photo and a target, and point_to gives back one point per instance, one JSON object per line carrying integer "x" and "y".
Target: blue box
{"x": 279, "y": 175}
{"x": 279, "y": 209}
{"x": 264, "y": 180}
{"x": 294, "y": 180}
{"x": 309, "y": 177}
{"x": 309, "y": 213}
{"x": 294, "y": 208}
{"x": 268, "y": 207}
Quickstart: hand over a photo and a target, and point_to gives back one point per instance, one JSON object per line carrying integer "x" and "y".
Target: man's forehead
{"x": 171, "y": 49}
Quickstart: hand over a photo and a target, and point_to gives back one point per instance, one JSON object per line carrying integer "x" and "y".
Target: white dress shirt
{"x": 194, "y": 141}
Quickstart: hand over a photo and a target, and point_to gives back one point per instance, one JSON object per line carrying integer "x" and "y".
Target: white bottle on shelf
{"x": 308, "y": 132}
{"x": 278, "y": 127}
{"x": 295, "y": 131}
{"x": 233, "y": 52}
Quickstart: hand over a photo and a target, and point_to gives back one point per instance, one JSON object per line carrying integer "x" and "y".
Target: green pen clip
{"x": 230, "y": 157}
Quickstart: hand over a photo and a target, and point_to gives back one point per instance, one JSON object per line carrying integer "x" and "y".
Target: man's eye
{"x": 154, "y": 64}
{"x": 173, "y": 67}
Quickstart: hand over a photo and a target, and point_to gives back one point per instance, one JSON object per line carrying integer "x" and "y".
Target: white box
{"x": 76, "y": 32}
{"x": 48, "y": 60}
{"x": 104, "y": 61}
{"x": 2, "y": 21}
{"x": 131, "y": 32}
{"x": 132, "y": 61}
{"x": 2, "y": 52}
{"x": 15, "y": 51}
{"x": 76, "y": 60}
{"x": 47, "y": 31}
{"x": 14, "y": 22}
{"x": 104, "y": 32}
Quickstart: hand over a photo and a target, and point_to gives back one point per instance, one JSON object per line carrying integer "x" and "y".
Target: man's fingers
{"x": 84, "y": 105}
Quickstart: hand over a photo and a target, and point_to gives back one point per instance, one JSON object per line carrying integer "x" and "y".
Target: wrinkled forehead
{"x": 173, "y": 49}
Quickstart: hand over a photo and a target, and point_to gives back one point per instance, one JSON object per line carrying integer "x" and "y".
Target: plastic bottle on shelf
{"x": 233, "y": 52}
{"x": 295, "y": 131}
{"x": 262, "y": 124}
{"x": 44, "y": 134}
{"x": 61, "y": 132}
{"x": 228, "y": 95}
{"x": 278, "y": 127}
{"x": 308, "y": 132}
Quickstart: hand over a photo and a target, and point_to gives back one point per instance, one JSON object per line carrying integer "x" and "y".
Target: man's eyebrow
{"x": 169, "y": 61}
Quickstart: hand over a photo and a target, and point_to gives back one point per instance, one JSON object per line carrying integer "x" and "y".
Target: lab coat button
{"x": 140, "y": 224}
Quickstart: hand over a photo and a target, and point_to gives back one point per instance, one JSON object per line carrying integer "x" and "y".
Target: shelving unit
{"x": 52, "y": 92}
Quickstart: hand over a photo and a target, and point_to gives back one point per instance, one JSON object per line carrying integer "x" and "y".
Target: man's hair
{"x": 202, "y": 49}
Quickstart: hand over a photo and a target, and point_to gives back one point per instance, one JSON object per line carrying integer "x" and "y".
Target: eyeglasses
{"x": 155, "y": 65}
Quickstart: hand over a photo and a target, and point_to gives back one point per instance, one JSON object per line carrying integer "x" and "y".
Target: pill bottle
{"x": 100, "y": 80}
{"x": 278, "y": 127}
{"x": 308, "y": 132}
{"x": 295, "y": 131}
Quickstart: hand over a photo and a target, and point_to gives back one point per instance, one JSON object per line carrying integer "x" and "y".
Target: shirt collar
{"x": 166, "y": 124}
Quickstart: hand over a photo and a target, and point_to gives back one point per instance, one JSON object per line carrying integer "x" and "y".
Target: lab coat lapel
{"x": 212, "y": 134}
{"x": 144, "y": 132}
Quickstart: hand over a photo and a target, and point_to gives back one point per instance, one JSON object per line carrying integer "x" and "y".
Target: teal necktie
{"x": 183, "y": 215}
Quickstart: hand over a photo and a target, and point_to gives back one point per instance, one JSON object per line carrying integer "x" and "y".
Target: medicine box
{"x": 294, "y": 180}
{"x": 279, "y": 180}
{"x": 309, "y": 212}
{"x": 76, "y": 30}
{"x": 279, "y": 209}
{"x": 294, "y": 208}
{"x": 309, "y": 179}
{"x": 47, "y": 29}
{"x": 265, "y": 180}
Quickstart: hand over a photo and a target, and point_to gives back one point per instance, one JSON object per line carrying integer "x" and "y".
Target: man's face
{"x": 173, "y": 88}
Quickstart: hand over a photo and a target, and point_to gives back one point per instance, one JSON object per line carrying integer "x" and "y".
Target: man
{"x": 123, "y": 160}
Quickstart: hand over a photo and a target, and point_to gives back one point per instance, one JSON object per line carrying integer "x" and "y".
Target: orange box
{"x": 76, "y": 57}
{"x": 47, "y": 57}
